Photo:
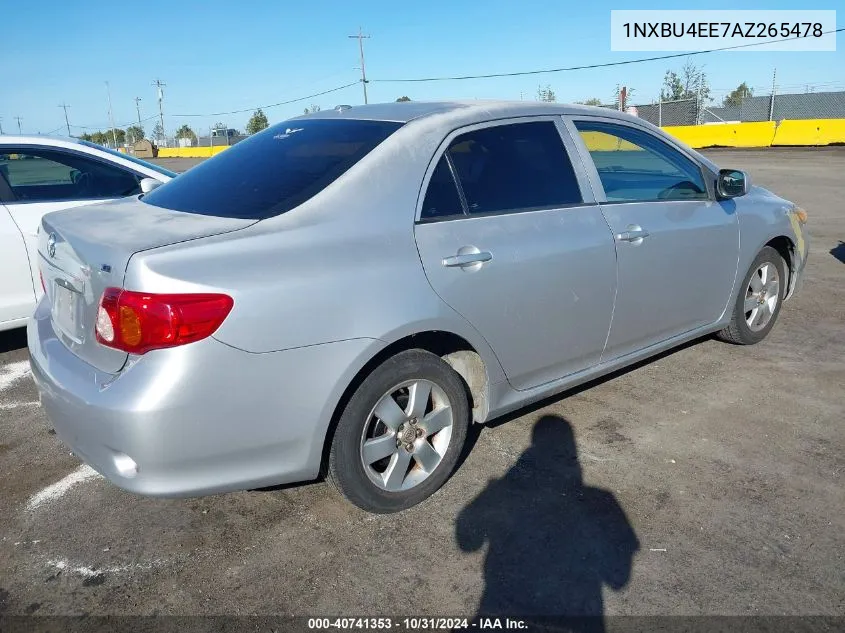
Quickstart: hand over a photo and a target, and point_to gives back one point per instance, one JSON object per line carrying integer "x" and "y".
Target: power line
{"x": 64, "y": 106}
{"x": 111, "y": 116}
{"x": 272, "y": 105}
{"x": 118, "y": 125}
{"x": 591, "y": 66}
{"x": 159, "y": 84}
{"x": 361, "y": 37}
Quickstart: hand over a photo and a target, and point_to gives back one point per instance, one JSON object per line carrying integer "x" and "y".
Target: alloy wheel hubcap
{"x": 406, "y": 435}
{"x": 762, "y": 296}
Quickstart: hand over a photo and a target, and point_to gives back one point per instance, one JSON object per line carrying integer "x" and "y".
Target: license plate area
{"x": 67, "y": 310}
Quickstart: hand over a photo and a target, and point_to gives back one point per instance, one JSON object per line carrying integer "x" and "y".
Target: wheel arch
{"x": 463, "y": 357}
{"x": 786, "y": 249}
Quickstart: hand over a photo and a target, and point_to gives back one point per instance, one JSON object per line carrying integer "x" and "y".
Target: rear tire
{"x": 759, "y": 300}
{"x": 401, "y": 433}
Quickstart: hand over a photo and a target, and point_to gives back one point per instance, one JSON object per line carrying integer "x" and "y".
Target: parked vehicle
{"x": 345, "y": 292}
{"x": 38, "y": 175}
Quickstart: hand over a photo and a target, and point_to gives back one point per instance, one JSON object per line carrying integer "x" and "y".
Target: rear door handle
{"x": 467, "y": 259}
{"x": 635, "y": 234}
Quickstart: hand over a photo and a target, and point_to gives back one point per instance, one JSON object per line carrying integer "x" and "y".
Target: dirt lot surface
{"x": 707, "y": 481}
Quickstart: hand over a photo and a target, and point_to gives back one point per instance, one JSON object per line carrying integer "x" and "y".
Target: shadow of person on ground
{"x": 839, "y": 252}
{"x": 552, "y": 541}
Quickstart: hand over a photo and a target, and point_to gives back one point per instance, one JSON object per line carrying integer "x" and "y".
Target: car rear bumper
{"x": 199, "y": 419}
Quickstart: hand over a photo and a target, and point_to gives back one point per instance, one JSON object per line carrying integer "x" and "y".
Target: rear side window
{"x": 514, "y": 167}
{"x": 274, "y": 171}
{"x": 442, "y": 198}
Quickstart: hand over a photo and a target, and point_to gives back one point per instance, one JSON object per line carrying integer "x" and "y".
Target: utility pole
{"x": 1, "y": 125}
{"x": 19, "y": 119}
{"x": 111, "y": 116}
{"x": 65, "y": 106}
{"x": 138, "y": 108}
{"x": 159, "y": 84}
{"x": 361, "y": 37}
{"x": 772, "y": 101}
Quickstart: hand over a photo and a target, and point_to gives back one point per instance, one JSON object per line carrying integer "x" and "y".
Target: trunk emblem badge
{"x": 51, "y": 245}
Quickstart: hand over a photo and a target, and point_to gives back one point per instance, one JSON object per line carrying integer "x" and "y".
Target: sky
{"x": 220, "y": 56}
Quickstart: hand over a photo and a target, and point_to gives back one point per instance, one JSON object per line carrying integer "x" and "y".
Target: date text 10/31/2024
{"x": 419, "y": 623}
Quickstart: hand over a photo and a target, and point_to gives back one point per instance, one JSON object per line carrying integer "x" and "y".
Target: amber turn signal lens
{"x": 130, "y": 326}
{"x": 800, "y": 214}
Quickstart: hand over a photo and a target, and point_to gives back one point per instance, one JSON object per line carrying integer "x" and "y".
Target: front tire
{"x": 401, "y": 433}
{"x": 759, "y": 301}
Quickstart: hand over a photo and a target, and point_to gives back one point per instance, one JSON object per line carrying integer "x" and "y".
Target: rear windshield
{"x": 273, "y": 171}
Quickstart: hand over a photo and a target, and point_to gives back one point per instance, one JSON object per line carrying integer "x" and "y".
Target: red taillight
{"x": 138, "y": 322}
{"x": 43, "y": 287}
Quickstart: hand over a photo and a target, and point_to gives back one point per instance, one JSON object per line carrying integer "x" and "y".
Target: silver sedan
{"x": 345, "y": 292}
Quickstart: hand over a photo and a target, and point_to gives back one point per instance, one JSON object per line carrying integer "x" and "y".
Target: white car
{"x": 40, "y": 174}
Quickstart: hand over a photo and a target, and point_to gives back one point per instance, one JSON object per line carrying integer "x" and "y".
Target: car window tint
{"x": 442, "y": 198}
{"x": 636, "y": 166}
{"x": 275, "y": 170}
{"x": 40, "y": 175}
{"x": 514, "y": 167}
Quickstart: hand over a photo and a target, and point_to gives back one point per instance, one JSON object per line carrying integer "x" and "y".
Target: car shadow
{"x": 12, "y": 340}
{"x": 553, "y": 542}
{"x": 839, "y": 252}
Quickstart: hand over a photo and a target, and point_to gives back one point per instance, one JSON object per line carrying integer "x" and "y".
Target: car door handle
{"x": 633, "y": 234}
{"x": 467, "y": 259}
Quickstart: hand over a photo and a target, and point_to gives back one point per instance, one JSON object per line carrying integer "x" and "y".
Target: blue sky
{"x": 221, "y": 56}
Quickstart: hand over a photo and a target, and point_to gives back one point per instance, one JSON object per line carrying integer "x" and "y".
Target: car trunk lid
{"x": 85, "y": 250}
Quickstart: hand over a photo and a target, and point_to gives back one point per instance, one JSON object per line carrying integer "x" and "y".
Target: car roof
{"x": 455, "y": 114}
{"x": 405, "y": 111}
{"x": 39, "y": 139}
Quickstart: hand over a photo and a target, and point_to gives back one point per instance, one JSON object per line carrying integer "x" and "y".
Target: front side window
{"x": 273, "y": 171}
{"x": 511, "y": 167}
{"x": 635, "y": 166}
{"x": 45, "y": 175}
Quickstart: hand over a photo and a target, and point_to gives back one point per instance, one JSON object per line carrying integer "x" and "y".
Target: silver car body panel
{"x": 322, "y": 290}
{"x": 539, "y": 257}
{"x": 87, "y": 249}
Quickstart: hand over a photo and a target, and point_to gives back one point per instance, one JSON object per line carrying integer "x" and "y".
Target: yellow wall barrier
{"x": 761, "y": 134}
{"x": 725, "y": 134}
{"x": 810, "y": 132}
{"x": 190, "y": 152}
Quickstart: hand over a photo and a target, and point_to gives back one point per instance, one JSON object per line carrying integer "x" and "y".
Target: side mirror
{"x": 732, "y": 183}
{"x": 148, "y": 184}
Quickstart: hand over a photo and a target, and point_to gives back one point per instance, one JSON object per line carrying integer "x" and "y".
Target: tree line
{"x": 134, "y": 133}
{"x": 690, "y": 82}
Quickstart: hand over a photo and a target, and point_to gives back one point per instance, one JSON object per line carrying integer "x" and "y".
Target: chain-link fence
{"x": 660, "y": 113}
{"x": 778, "y": 107}
{"x": 200, "y": 141}
{"x": 810, "y": 105}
